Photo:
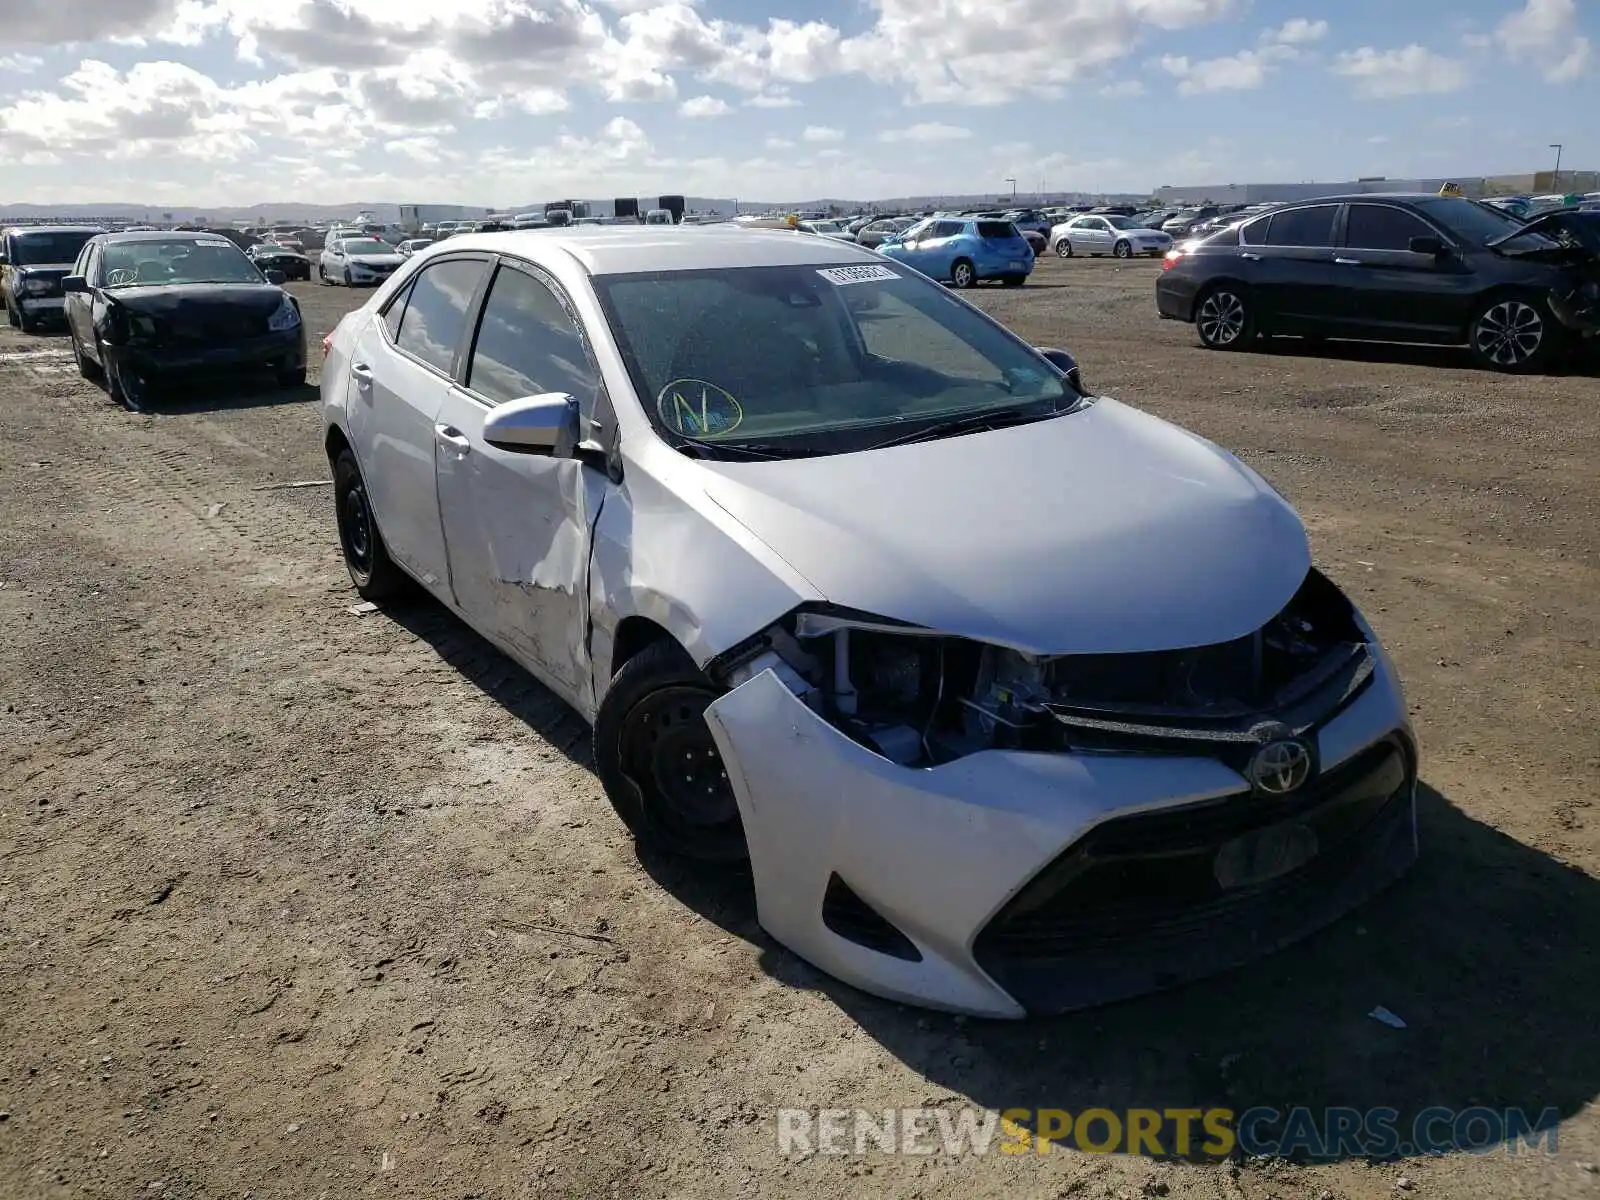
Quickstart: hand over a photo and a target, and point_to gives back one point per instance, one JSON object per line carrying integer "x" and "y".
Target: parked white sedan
{"x": 357, "y": 261}
{"x": 728, "y": 493}
{"x": 1095, "y": 234}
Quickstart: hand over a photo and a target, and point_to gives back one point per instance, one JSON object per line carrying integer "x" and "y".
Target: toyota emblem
{"x": 1280, "y": 767}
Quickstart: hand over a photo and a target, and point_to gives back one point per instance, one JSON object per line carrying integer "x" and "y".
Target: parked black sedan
{"x": 271, "y": 257}
{"x": 145, "y": 307}
{"x": 1439, "y": 270}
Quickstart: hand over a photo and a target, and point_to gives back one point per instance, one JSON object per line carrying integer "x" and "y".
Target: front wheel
{"x": 13, "y": 317}
{"x": 658, "y": 762}
{"x": 87, "y": 367}
{"x": 322, "y": 276}
{"x": 1064, "y": 248}
{"x": 1122, "y": 250}
{"x": 963, "y": 274}
{"x": 128, "y": 387}
{"x": 292, "y": 379}
{"x": 1512, "y": 333}
{"x": 1224, "y": 319}
{"x": 349, "y": 279}
{"x": 365, "y": 556}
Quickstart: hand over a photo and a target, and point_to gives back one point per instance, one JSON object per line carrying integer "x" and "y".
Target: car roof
{"x": 627, "y": 249}
{"x": 164, "y": 235}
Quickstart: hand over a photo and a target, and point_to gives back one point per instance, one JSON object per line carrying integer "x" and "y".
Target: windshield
{"x": 47, "y": 249}
{"x": 365, "y": 246}
{"x": 1478, "y": 224}
{"x": 814, "y": 359}
{"x": 198, "y": 260}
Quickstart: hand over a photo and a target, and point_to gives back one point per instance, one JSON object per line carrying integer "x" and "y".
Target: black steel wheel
{"x": 659, "y": 763}
{"x": 365, "y": 556}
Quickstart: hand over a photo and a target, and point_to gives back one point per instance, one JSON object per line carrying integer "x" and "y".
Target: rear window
{"x": 997, "y": 229}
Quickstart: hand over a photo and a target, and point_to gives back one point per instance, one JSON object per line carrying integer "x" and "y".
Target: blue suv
{"x": 964, "y": 250}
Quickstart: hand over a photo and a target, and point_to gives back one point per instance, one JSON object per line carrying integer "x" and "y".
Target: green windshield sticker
{"x": 697, "y": 409}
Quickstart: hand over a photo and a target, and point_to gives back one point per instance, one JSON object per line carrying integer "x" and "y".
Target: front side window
{"x": 528, "y": 344}
{"x": 825, "y": 359}
{"x": 436, "y": 311}
{"x": 157, "y": 261}
{"x": 948, "y": 229}
{"x": 1303, "y": 226}
{"x": 1379, "y": 227}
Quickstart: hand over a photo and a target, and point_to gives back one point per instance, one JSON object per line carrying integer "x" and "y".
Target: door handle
{"x": 1348, "y": 262}
{"x": 1251, "y": 257}
{"x": 363, "y": 374}
{"x": 449, "y": 435}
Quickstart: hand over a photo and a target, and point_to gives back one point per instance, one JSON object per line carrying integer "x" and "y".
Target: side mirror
{"x": 74, "y": 284}
{"x": 1066, "y": 364}
{"x": 1428, "y": 245}
{"x": 542, "y": 424}
{"x": 276, "y": 276}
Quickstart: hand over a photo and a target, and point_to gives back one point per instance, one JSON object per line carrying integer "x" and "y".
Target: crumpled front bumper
{"x": 939, "y": 852}
{"x": 283, "y": 350}
{"x": 1578, "y": 309}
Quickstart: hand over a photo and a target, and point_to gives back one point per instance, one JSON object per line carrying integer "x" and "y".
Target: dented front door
{"x": 517, "y": 533}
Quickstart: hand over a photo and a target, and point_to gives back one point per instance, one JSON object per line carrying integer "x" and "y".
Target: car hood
{"x": 1576, "y": 232}
{"x": 180, "y": 298}
{"x": 56, "y": 269}
{"x": 1102, "y": 531}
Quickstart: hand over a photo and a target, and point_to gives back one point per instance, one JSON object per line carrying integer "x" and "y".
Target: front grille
{"x": 217, "y": 327}
{"x": 1151, "y": 877}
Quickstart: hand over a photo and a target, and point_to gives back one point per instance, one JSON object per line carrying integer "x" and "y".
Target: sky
{"x": 499, "y": 102}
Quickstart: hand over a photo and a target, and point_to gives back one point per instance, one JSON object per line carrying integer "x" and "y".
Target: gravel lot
{"x": 298, "y": 902}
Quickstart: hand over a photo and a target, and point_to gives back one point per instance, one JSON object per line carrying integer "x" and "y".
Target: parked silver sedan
{"x": 1096, "y": 234}
{"x": 1014, "y": 699}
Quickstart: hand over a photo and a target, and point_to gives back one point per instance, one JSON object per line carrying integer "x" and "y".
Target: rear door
{"x": 1391, "y": 292}
{"x": 517, "y": 524}
{"x": 1296, "y": 281}
{"x": 401, "y": 369}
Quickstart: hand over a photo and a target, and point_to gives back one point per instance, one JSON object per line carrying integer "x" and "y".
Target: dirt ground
{"x": 296, "y": 902}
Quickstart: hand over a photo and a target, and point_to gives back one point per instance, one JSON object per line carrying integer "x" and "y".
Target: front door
{"x": 517, "y": 524}
{"x": 1391, "y": 292}
{"x": 401, "y": 370}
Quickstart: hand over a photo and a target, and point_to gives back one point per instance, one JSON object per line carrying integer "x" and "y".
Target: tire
{"x": 292, "y": 379}
{"x": 1014, "y": 280}
{"x": 1123, "y": 249}
{"x": 1064, "y": 248}
{"x": 322, "y": 276}
{"x": 128, "y": 388}
{"x": 365, "y": 556}
{"x": 1513, "y": 332}
{"x": 349, "y": 282}
{"x": 658, "y": 762}
{"x": 1224, "y": 318}
{"x": 963, "y": 274}
{"x": 13, "y": 317}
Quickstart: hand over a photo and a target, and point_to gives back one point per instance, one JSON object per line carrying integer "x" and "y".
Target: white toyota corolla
{"x": 1014, "y": 699}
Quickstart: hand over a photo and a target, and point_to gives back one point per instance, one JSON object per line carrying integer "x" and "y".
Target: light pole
{"x": 1013, "y": 184}
{"x": 1555, "y": 179}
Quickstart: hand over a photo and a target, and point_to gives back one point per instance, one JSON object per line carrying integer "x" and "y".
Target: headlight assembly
{"x": 36, "y": 287}
{"x": 287, "y": 317}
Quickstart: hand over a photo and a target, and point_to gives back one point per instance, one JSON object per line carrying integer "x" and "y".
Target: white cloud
{"x": 1123, "y": 88}
{"x": 821, "y": 133}
{"x": 1297, "y": 31}
{"x": 778, "y": 143}
{"x": 1410, "y": 70}
{"x": 928, "y": 131}
{"x": 1544, "y": 33}
{"x": 1236, "y": 72}
{"x": 50, "y": 22}
{"x": 704, "y": 106}
{"x": 775, "y": 98}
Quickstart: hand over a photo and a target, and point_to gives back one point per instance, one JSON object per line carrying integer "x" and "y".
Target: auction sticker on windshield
{"x": 864, "y": 274}
{"x": 212, "y": 242}
{"x": 698, "y": 409}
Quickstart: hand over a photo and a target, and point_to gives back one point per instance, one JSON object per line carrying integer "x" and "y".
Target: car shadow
{"x": 177, "y": 399}
{"x": 1484, "y": 950}
{"x": 1579, "y": 360}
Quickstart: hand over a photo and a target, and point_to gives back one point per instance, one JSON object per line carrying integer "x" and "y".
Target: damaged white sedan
{"x": 1016, "y": 700}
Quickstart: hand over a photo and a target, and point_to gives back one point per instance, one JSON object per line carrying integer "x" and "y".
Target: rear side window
{"x": 1003, "y": 230}
{"x": 1254, "y": 233}
{"x": 436, "y": 311}
{"x": 1303, "y": 226}
{"x": 1379, "y": 227}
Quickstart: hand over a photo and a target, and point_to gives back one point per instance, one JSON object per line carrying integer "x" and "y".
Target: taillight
{"x": 327, "y": 344}
{"x": 1170, "y": 259}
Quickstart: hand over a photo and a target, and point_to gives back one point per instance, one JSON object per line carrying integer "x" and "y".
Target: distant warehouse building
{"x": 1472, "y": 185}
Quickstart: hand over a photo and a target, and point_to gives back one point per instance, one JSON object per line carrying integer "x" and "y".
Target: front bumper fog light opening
{"x": 852, "y": 918}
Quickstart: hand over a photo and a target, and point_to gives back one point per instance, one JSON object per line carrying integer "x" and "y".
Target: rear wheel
{"x": 1064, "y": 248}
{"x": 1513, "y": 333}
{"x": 963, "y": 274}
{"x": 1014, "y": 280}
{"x": 13, "y": 317}
{"x": 1223, "y": 318}
{"x": 371, "y": 569}
{"x": 658, "y": 762}
{"x": 1123, "y": 249}
{"x": 292, "y": 379}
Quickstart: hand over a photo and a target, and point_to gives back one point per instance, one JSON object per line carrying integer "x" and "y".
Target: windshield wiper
{"x": 978, "y": 422}
{"x": 751, "y": 450}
